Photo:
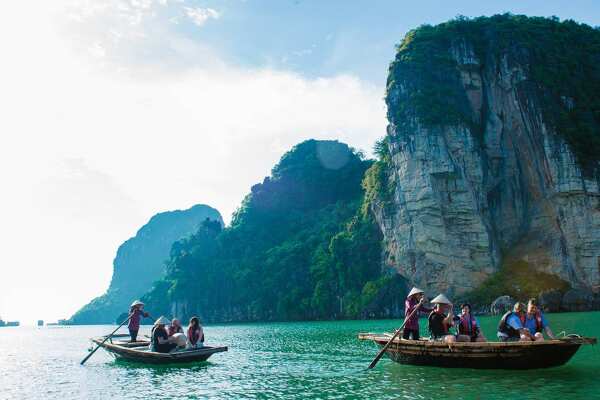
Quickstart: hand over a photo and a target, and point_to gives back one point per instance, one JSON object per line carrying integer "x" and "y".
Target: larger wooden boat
{"x": 139, "y": 352}
{"x": 484, "y": 355}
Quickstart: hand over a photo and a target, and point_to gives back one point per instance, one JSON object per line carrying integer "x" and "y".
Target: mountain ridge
{"x": 139, "y": 261}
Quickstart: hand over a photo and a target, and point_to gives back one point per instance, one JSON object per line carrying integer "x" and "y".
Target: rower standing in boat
{"x": 536, "y": 323}
{"x": 415, "y": 298}
{"x": 440, "y": 323}
{"x": 136, "y": 311}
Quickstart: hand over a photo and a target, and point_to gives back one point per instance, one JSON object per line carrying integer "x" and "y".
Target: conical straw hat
{"x": 440, "y": 299}
{"x": 414, "y": 291}
{"x": 136, "y": 303}
{"x": 162, "y": 321}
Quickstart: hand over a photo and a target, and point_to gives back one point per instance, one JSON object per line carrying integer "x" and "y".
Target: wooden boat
{"x": 483, "y": 355}
{"x": 140, "y": 352}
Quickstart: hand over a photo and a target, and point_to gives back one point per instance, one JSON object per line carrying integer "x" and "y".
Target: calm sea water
{"x": 316, "y": 360}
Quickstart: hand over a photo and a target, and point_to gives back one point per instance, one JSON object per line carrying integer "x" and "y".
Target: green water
{"x": 317, "y": 360}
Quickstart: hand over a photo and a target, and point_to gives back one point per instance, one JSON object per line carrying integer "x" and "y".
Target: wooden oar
{"x": 382, "y": 351}
{"x": 105, "y": 339}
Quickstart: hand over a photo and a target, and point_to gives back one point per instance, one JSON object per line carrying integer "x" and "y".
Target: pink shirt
{"x": 409, "y": 305}
{"x": 134, "y": 322}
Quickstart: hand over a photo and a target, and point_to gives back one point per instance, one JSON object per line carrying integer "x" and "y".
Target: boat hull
{"x": 489, "y": 355}
{"x": 138, "y": 352}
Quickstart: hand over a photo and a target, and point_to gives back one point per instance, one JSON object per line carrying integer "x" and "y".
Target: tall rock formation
{"x": 298, "y": 247}
{"x": 493, "y": 147}
{"x": 140, "y": 262}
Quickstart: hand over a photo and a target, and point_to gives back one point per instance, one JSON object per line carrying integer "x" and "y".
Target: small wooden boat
{"x": 139, "y": 351}
{"x": 483, "y": 355}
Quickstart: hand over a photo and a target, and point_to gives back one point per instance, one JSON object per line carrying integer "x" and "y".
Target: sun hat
{"x": 136, "y": 303}
{"x": 440, "y": 299}
{"x": 162, "y": 320}
{"x": 414, "y": 291}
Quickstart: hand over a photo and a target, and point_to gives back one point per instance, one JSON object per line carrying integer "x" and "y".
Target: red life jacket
{"x": 172, "y": 330}
{"x": 467, "y": 326}
{"x": 538, "y": 322}
{"x": 194, "y": 335}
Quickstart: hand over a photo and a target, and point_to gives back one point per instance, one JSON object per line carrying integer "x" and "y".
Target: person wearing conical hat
{"x": 160, "y": 338}
{"x": 136, "y": 312}
{"x": 439, "y": 322}
{"x": 415, "y": 298}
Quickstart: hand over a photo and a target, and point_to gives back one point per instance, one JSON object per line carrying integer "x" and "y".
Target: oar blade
{"x": 376, "y": 359}
{"x": 380, "y": 354}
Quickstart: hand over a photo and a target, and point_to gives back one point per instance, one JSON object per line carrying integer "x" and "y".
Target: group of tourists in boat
{"x": 166, "y": 335}
{"x": 520, "y": 324}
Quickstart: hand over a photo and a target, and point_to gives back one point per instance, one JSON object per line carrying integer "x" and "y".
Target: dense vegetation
{"x": 564, "y": 71}
{"x": 299, "y": 247}
{"x": 518, "y": 279}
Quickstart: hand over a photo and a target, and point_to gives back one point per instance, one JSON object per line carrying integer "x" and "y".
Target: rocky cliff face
{"x": 140, "y": 262}
{"x": 492, "y": 181}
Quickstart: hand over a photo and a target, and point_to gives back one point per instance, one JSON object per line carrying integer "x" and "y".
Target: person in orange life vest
{"x": 416, "y": 297}
{"x": 468, "y": 328}
{"x": 175, "y": 327}
{"x": 535, "y": 322}
{"x": 440, "y": 323}
{"x": 136, "y": 312}
{"x": 195, "y": 333}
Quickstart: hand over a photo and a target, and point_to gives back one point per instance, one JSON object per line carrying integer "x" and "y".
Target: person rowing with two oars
{"x": 136, "y": 312}
{"x": 415, "y": 298}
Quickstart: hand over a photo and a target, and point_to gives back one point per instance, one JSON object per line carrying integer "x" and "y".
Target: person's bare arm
{"x": 449, "y": 320}
{"x": 525, "y": 332}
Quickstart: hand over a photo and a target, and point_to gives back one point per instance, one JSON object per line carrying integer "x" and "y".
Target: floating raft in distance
{"x": 139, "y": 352}
{"x": 482, "y": 355}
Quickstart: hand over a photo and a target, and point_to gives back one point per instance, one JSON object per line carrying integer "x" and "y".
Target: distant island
{"x": 8, "y": 323}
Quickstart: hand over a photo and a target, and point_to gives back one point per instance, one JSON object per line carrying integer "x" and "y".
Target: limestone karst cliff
{"x": 140, "y": 261}
{"x": 492, "y": 150}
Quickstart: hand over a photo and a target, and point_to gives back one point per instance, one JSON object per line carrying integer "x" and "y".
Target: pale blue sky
{"x": 326, "y": 38}
{"x": 114, "y": 110}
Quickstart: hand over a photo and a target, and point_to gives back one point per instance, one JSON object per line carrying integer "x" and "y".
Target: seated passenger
{"x": 510, "y": 328}
{"x": 468, "y": 328}
{"x": 195, "y": 334}
{"x": 440, "y": 323}
{"x": 415, "y": 298}
{"x": 175, "y": 327}
{"x": 535, "y": 322}
{"x": 160, "y": 338}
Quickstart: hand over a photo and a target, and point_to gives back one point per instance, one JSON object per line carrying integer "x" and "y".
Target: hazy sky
{"x": 114, "y": 110}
